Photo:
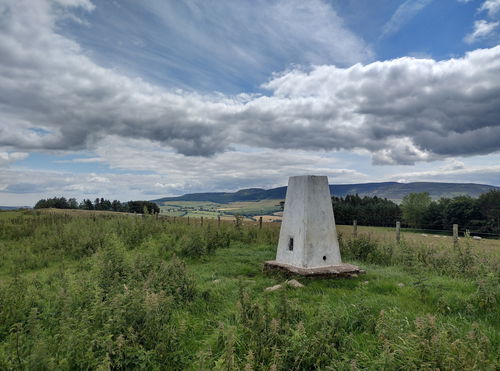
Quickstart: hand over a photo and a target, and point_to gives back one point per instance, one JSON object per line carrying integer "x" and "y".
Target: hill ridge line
{"x": 391, "y": 190}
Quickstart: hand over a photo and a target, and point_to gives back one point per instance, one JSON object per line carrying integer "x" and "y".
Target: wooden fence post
{"x": 455, "y": 234}
{"x": 218, "y": 221}
{"x": 355, "y": 228}
{"x": 398, "y": 232}
{"x": 188, "y": 220}
{"x": 201, "y": 220}
{"x": 260, "y": 223}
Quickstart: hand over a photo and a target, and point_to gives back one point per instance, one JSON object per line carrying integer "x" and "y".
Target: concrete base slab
{"x": 341, "y": 270}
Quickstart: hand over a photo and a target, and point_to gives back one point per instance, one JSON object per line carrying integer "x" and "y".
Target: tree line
{"x": 375, "y": 211}
{"x": 480, "y": 214}
{"x": 417, "y": 210}
{"x": 99, "y": 204}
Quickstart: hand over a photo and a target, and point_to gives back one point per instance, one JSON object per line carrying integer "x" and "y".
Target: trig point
{"x": 308, "y": 243}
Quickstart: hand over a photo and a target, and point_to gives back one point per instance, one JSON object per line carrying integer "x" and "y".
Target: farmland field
{"x": 91, "y": 290}
{"x": 247, "y": 209}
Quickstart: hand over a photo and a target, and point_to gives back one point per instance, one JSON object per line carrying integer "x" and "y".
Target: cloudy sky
{"x": 135, "y": 99}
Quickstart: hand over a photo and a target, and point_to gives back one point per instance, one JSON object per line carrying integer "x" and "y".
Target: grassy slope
{"x": 393, "y": 317}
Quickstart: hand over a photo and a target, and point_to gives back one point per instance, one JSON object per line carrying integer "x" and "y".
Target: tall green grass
{"x": 97, "y": 291}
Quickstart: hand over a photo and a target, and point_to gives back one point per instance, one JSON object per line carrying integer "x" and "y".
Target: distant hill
{"x": 14, "y": 207}
{"x": 396, "y": 191}
{"x": 391, "y": 190}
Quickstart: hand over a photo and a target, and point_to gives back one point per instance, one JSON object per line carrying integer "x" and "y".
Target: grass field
{"x": 386, "y": 235}
{"x": 105, "y": 291}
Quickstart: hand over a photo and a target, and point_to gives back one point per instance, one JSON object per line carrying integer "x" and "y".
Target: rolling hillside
{"x": 392, "y": 190}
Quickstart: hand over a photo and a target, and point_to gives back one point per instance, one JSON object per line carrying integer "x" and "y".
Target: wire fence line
{"x": 454, "y": 231}
{"x": 446, "y": 231}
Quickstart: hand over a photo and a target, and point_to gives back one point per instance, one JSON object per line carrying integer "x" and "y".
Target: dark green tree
{"x": 367, "y": 210}
{"x": 72, "y": 203}
{"x": 87, "y": 205}
{"x": 142, "y": 206}
{"x": 414, "y": 206}
{"x": 433, "y": 217}
{"x": 489, "y": 207}
{"x": 461, "y": 210}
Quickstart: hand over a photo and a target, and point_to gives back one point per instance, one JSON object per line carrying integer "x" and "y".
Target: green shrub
{"x": 192, "y": 246}
{"x": 217, "y": 240}
{"x": 360, "y": 248}
{"x": 111, "y": 269}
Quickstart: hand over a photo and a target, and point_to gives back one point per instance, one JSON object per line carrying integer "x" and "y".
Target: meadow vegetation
{"x": 108, "y": 291}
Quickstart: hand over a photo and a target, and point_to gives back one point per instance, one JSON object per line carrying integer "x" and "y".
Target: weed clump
{"x": 429, "y": 344}
{"x": 487, "y": 295}
{"x": 365, "y": 248}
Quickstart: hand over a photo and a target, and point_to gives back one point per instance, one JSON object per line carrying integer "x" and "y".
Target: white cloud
{"x": 482, "y": 29}
{"x": 454, "y": 165}
{"x": 7, "y": 158}
{"x": 406, "y": 109}
{"x": 402, "y": 110}
{"x": 231, "y": 170}
{"x": 217, "y": 45}
{"x": 403, "y": 14}
{"x": 81, "y": 160}
{"x": 460, "y": 174}
{"x": 94, "y": 178}
{"x": 85, "y": 4}
{"x": 492, "y": 7}
{"x": 403, "y": 152}
{"x": 165, "y": 173}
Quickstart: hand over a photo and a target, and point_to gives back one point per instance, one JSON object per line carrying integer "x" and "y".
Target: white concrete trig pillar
{"x": 308, "y": 236}
{"x": 308, "y": 243}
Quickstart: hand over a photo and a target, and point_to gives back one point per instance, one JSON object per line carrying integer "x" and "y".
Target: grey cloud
{"x": 480, "y": 141}
{"x": 404, "y": 110}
